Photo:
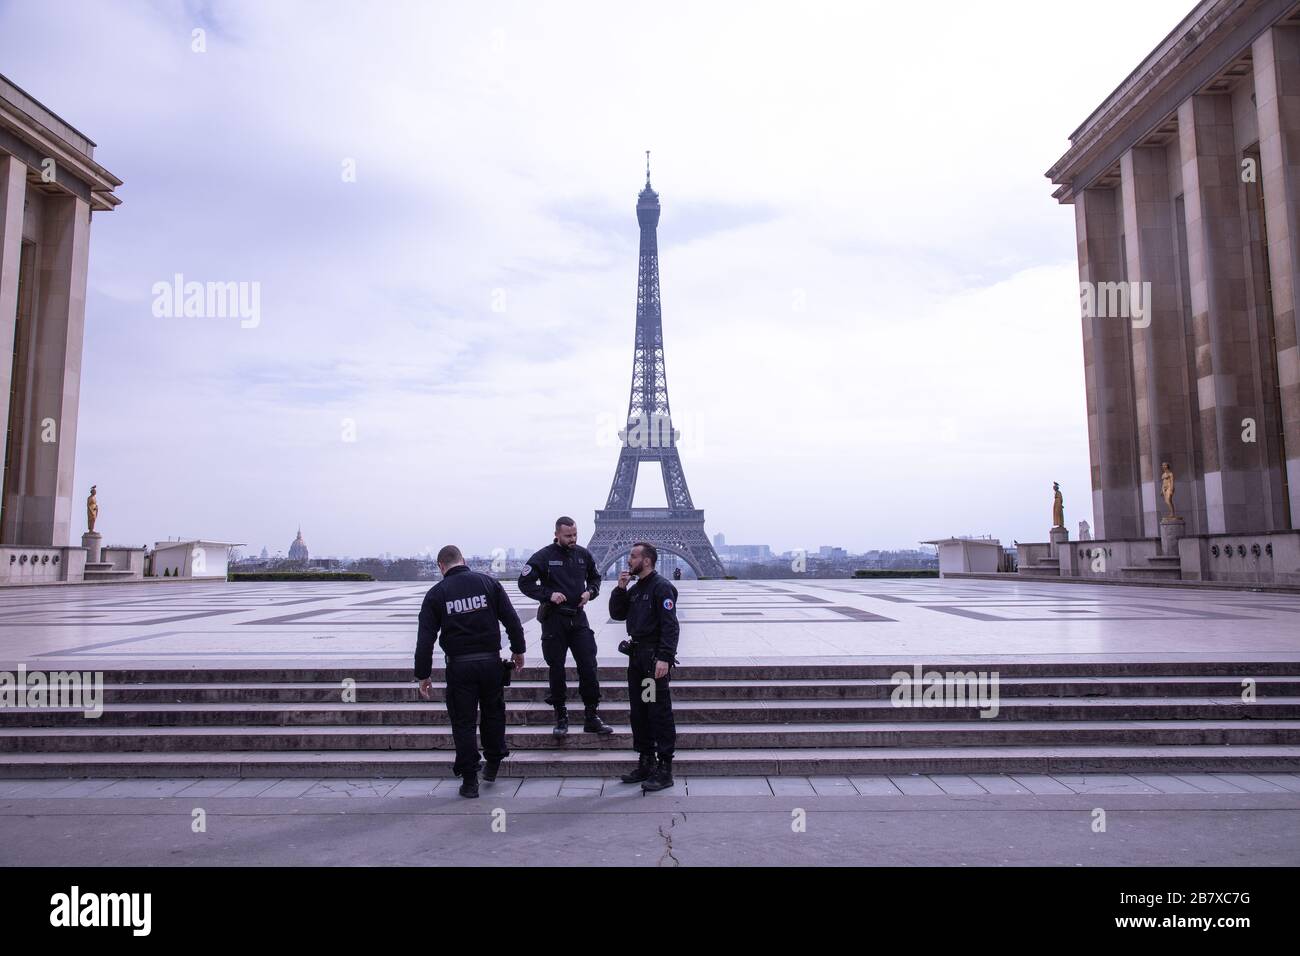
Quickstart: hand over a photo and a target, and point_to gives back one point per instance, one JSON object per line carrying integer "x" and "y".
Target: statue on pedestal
{"x": 92, "y": 510}
{"x": 1058, "y": 507}
{"x": 1085, "y": 531}
{"x": 1167, "y": 487}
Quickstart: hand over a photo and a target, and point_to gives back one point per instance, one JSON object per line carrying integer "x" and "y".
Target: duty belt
{"x": 477, "y": 656}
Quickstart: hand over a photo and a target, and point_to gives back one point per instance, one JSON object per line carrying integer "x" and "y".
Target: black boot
{"x": 490, "y": 768}
{"x": 469, "y": 785}
{"x": 662, "y": 778}
{"x": 561, "y": 722}
{"x": 645, "y": 768}
{"x": 592, "y": 724}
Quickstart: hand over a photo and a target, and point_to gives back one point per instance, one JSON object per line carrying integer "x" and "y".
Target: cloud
{"x": 868, "y": 290}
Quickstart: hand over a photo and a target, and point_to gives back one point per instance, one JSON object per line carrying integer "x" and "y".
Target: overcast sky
{"x": 870, "y": 298}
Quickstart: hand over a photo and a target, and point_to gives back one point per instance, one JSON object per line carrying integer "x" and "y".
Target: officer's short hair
{"x": 564, "y": 521}
{"x": 449, "y": 555}
{"x": 648, "y": 550}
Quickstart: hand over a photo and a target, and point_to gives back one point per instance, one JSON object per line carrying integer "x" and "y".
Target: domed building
{"x": 298, "y": 550}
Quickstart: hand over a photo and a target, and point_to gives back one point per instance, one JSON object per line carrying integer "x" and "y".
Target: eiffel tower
{"x": 649, "y": 436}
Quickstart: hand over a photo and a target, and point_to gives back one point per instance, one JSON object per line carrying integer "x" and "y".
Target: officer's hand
{"x": 519, "y": 661}
{"x": 558, "y": 598}
{"x": 661, "y": 669}
{"x": 623, "y": 578}
{"x": 586, "y": 596}
{"x": 426, "y": 688}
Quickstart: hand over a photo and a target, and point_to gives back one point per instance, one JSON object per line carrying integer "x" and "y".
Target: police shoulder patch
{"x": 668, "y": 604}
{"x": 527, "y": 570}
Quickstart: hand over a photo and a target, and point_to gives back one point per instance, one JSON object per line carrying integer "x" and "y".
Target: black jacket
{"x": 466, "y": 607}
{"x": 650, "y": 609}
{"x": 555, "y": 568}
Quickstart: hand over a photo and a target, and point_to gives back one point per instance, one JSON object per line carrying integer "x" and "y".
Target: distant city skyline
{"x": 870, "y": 300}
{"x": 265, "y": 552}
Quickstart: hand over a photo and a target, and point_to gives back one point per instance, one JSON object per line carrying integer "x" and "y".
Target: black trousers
{"x": 653, "y": 728}
{"x": 561, "y": 634}
{"x": 474, "y": 687}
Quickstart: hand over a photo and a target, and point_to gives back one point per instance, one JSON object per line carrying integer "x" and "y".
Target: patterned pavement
{"x": 263, "y": 624}
{"x": 911, "y": 785}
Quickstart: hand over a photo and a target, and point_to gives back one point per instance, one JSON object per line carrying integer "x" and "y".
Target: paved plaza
{"x": 1185, "y": 816}
{"x": 995, "y": 820}
{"x": 340, "y": 624}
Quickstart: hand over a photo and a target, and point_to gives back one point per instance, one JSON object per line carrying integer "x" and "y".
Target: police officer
{"x": 650, "y": 609}
{"x": 466, "y": 606}
{"x": 563, "y": 577}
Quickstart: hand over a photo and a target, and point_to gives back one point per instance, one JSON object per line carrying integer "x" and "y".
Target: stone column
{"x": 1107, "y": 377}
{"x": 1160, "y": 381}
{"x": 13, "y": 191}
{"x": 1057, "y": 539}
{"x": 60, "y": 312}
{"x": 1171, "y": 532}
{"x": 1276, "y": 57}
{"x": 1221, "y": 324}
{"x": 92, "y": 541}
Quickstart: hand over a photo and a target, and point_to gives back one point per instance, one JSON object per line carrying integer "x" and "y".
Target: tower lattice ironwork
{"x": 650, "y": 436}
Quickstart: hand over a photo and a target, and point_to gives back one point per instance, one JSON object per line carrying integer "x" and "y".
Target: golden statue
{"x": 92, "y": 511}
{"x": 1058, "y": 507}
{"x": 1167, "y": 487}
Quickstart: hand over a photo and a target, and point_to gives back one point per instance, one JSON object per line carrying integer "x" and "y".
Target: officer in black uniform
{"x": 563, "y": 577}
{"x": 650, "y": 609}
{"x": 467, "y": 608}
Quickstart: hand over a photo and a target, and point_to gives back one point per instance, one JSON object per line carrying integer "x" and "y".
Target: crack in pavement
{"x": 668, "y": 842}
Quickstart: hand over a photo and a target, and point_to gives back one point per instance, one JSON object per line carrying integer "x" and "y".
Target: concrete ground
{"x": 1150, "y": 820}
{"x": 1025, "y": 819}
{"x": 374, "y": 624}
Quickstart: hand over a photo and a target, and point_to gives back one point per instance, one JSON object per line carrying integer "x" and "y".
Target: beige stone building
{"x": 50, "y": 185}
{"x": 1186, "y": 191}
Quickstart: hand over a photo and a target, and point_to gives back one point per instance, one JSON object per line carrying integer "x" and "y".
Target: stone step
{"x": 968, "y": 733}
{"x": 1173, "y": 571}
{"x": 607, "y": 763}
{"x": 417, "y": 712}
{"x": 732, "y": 718}
{"x": 308, "y": 692}
{"x": 789, "y": 670}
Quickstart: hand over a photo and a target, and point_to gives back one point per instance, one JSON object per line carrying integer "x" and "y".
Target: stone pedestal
{"x": 1057, "y": 537}
{"x": 1171, "y": 529}
{"x": 91, "y": 541}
